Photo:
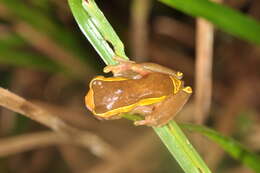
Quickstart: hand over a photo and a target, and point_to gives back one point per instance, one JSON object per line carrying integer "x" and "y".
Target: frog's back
{"x": 122, "y": 94}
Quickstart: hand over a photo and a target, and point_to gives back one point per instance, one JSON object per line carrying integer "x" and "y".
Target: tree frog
{"x": 155, "y": 92}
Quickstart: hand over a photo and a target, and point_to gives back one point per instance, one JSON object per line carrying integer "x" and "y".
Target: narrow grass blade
{"x": 11, "y": 40}
{"x": 91, "y": 32}
{"x": 10, "y": 43}
{"x": 223, "y": 17}
{"x": 104, "y": 27}
{"x": 178, "y": 144}
{"x": 45, "y": 24}
{"x": 235, "y": 149}
{"x": 29, "y": 60}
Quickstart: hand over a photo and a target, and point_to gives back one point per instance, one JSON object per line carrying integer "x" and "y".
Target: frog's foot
{"x": 124, "y": 65}
{"x": 126, "y": 68}
{"x": 122, "y": 60}
{"x": 132, "y": 66}
{"x": 147, "y": 122}
{"x": 145, "y": 111}
{"x": 115, "y": 69}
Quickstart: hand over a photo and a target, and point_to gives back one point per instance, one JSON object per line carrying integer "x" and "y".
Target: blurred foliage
{"x": 36, "y": 15}
{"x": 231, "y": 146}
{"x": 223, "y": 17}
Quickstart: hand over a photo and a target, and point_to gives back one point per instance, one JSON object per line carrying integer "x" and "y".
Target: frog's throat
{"x": 89, "y": 99}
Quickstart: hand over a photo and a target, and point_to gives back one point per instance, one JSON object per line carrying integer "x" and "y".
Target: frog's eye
{"x": 179, "y": 75}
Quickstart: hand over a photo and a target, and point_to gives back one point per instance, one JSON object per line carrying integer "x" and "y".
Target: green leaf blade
{"x": 223, "y": 17}
{"x": 178, "y": 144}
{"x": 235, "y": 149}
{"x": 89, "y": 30}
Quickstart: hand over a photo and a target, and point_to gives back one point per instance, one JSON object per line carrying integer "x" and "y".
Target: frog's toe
{"x": 113, "y": 68}
{"x": 122, "y": 60}
{"x": 108, "y": 69}
{"x": 145, "y": 122}
{"x": 139, "y": 123}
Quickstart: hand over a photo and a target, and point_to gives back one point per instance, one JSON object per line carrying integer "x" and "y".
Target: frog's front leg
{"x": 161, "y": 69}
{"x": 163, "y": 112}
{"x": 126, "y": 68}
{"x": 122, "y": 65}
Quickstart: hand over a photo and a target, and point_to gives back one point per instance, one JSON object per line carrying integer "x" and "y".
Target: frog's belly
{"x": 113, "y": 97}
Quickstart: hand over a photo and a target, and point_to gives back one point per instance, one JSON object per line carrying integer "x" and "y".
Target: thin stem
{"x": 86, "y": 139}
{"x": 22, "y": 143}
{"x": 140, "y": 11}
{"x": 204, "y": 58}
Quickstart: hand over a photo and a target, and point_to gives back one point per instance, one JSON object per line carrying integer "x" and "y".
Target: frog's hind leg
{"x": 166, "y": 110}
{"x": 143, "y": 110}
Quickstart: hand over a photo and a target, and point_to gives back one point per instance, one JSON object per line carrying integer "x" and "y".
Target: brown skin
{"x": 123, "y": 93}
{"x": 163, "y": 112}
{"x": 145, "y": 80}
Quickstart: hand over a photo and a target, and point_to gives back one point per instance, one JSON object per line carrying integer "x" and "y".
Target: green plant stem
{"x": 99, "y": 32}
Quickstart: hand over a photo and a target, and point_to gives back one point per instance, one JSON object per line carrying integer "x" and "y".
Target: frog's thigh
{"x": 166, "y": 110}
{"x": 143, "y": 110}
